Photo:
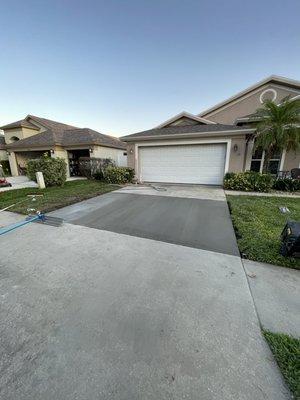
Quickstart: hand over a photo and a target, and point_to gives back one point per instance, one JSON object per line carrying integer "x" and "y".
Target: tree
{"x": 277, "y": 127}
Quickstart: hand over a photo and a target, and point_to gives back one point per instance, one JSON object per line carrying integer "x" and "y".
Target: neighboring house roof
{"x": 271, "y": 79}
{"x": 2, "y": 143}
{"x": 185, "y": 114}
{"x": 19, "y": 124}
{"x": 57, "y": 133}
{"x": 48, "y": 123}
{"x": 174, "y": 131}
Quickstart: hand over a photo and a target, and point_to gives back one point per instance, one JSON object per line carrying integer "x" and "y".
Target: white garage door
{"x": 202, "y": 164}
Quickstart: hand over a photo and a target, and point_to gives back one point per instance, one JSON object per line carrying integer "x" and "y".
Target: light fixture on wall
{"x": 51, "y": 151}
{"x": 131, "y": 151}
{"x": 90, "y": 150}
{"x": 235, "y": 147}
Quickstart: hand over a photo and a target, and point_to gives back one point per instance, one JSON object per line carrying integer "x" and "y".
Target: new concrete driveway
{"x": 192, "y": 216}
{"x": 92, "y": 314}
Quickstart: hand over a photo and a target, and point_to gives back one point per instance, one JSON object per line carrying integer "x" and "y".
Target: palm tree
{"x": 277, "y": 127}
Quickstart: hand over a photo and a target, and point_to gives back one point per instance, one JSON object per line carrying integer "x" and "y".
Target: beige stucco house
{"x": 33, "y": 136}
{"x": 202, "y": 148}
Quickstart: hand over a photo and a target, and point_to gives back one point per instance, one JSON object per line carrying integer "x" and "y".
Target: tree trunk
{"x": 267, "y": 158}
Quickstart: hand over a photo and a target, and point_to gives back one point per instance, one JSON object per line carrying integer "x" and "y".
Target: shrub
{"x": 6, "y": 167}
{"x": 248, "y": 181}
{"x": 94, "y": 167}
{"x": 53, "y": 169}
{"x": 118, "y": 174}
{"x": 287, "y": 184}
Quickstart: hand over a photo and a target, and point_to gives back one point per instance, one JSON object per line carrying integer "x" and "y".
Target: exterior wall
{"x": 20, "y": 133}
{"x": 59, "y": 152}
{"x": 17, "y": 132}
{"x": 247, "y": 105}
{"x": 130, "y": 155}
{"x": 3, "y": 155}
{"x": 117, "y": 155}
{"x": 292, "y": 160}
{"x": 237, "y": 157}
{"x": 27, "y": 132}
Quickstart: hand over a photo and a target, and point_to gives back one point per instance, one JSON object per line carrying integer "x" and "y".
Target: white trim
{"x": 266, "y": 91}
{"x": 220, "y": 106}
{"x": 186, "y": 135}
{"x": 187, "y": 115}
{"x": 179, "y": 143}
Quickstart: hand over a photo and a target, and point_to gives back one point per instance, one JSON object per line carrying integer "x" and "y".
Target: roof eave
{"x": 236, "y": 132}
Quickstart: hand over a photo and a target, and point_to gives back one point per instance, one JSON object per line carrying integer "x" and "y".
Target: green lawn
{"x": 258, "y": 224}
{"x": 54, "y": 197}
{"x": 286, "y": 350}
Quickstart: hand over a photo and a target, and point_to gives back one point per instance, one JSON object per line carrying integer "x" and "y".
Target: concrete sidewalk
{"x": 275, "y": 291}
{"x": 19, "y": 182}
{"x": 91, "y": 314}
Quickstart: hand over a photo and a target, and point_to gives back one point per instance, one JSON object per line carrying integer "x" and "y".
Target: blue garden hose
{"x": 11, "y": 227}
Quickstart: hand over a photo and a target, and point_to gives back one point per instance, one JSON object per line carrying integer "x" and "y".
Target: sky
{"x": 120, "y": 67}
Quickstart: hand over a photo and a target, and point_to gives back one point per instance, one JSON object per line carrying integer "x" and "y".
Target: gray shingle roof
{"x": 61, "y": 134}
{"x": 179, "y": 130}
{"x": 18, "y": 124}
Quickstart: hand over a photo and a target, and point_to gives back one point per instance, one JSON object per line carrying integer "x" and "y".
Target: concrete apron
{"x": 200, "y": 192}
{"x": 91, "y": 314}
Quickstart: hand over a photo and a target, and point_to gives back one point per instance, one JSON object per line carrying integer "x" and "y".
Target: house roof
{"x": 173, "y": 131}
{"x": 19, "y": 124}
{"x": 185, "y": 114}
{"x": 271, "y": 79}
{"x": 60, "y": 134}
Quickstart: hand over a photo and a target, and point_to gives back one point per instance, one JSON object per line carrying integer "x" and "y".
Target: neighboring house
{"x": 33, "y": 136}
{"x": 202, "y": 148}
{"x": 3, "y": 153}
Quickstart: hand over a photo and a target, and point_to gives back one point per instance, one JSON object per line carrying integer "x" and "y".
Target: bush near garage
{"x": 287, "y": 184}
{"x": 248, "y": 181}
{"x": 53, "y": 169}
{"x": 5, "y": 167}
{"x": 118, "y": 175}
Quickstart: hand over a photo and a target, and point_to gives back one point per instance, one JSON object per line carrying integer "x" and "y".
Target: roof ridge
{"x": 270, "y": 78}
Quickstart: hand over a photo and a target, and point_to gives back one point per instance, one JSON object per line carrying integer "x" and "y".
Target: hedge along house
{"x": 34, "y": 136}
{"x": 201, "y": 148}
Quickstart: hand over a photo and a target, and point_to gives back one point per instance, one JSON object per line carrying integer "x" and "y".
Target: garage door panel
{"x": 202, "y": 164}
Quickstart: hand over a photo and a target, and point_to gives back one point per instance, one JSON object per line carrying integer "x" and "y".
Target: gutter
{"x": 187, "y": 135}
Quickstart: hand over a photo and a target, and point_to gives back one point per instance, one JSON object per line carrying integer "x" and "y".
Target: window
{"x": 258, "y": 158}
{"x": 125, "y": 153}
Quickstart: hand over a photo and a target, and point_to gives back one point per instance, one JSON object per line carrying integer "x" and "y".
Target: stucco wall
{"x": 29, "y": 132}
{"x": 247, "y": 105}
{"x": 130, "y": 155}
{"x": 17, "y": 132}
{"x": 237, "y": 157}
{"x": 20, "y": 133}
{"x": 3, "y": 155}
{"x": 108, "y": 152}
{"x": 292, "y": 160}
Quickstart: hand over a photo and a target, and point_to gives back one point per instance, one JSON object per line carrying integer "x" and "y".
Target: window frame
{"x": 262, "y": 160}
